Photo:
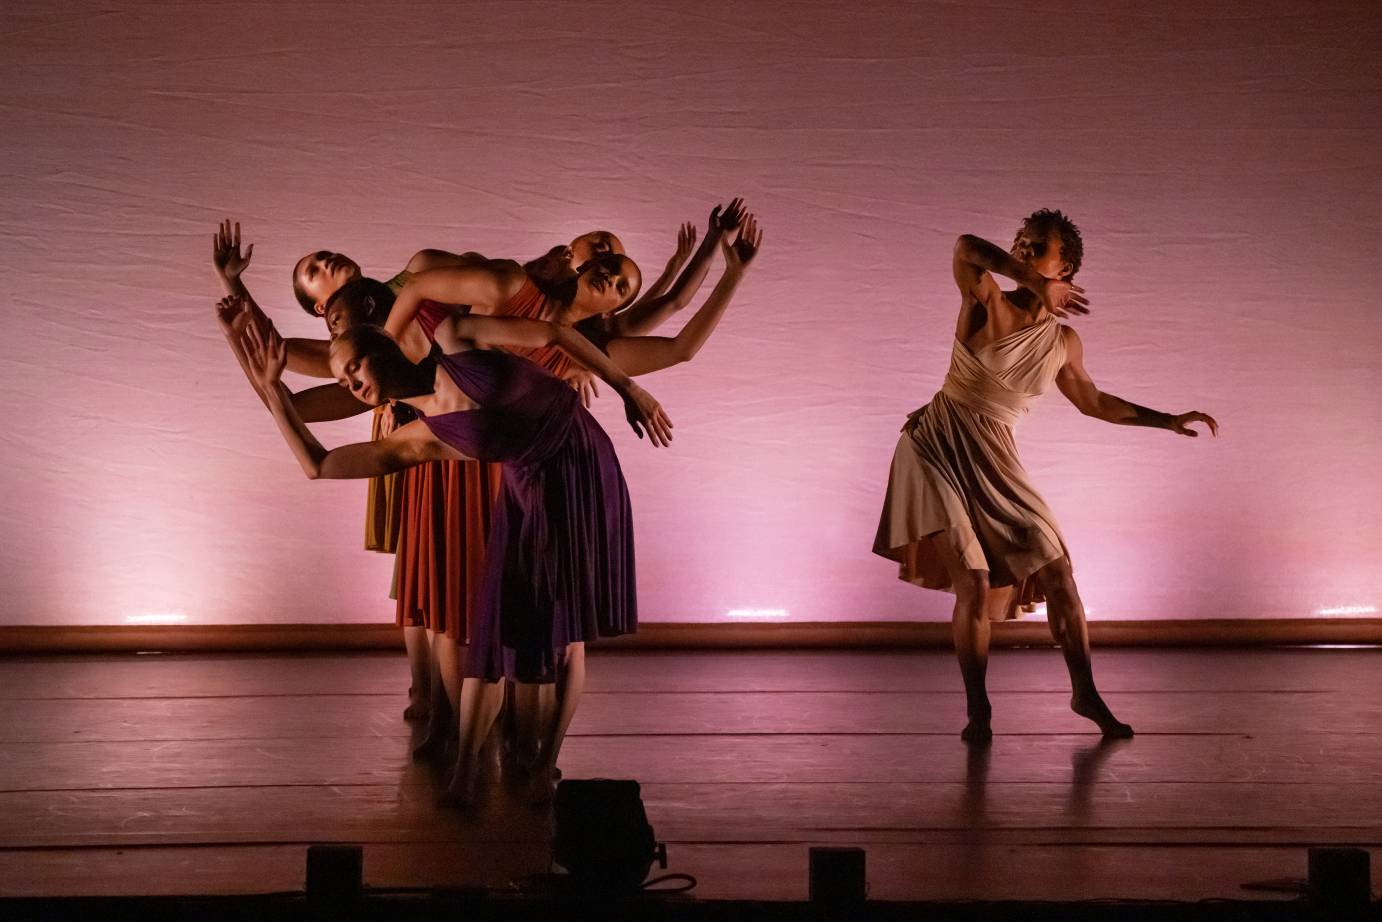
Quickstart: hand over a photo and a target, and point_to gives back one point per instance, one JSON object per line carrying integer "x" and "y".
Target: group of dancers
{"x": 504, "y": 503}
{"x": 511, "y": 523}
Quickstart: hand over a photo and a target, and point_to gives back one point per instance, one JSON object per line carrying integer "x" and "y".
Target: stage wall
{"x": 1222, "y": 159}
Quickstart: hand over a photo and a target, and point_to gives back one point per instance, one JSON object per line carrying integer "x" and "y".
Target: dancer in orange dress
{"x": 961, "y": 513}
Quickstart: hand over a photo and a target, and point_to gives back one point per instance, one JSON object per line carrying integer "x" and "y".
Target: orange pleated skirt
{"x": 444, "y": 522}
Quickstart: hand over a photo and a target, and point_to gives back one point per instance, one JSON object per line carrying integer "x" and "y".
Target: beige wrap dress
{"x": 956, "y": 470}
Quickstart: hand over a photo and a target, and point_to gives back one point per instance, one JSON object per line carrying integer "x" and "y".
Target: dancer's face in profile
{"x": 1042, "y": 253}
{"x": 318, "y": 275}
{"x": 342, "y": 313}
{"x": 554, "y": 265}
{"x": 605, "y": 284}
{"x": 356, "y": 372}
{"x": 339, "y": 317}
{"x": 596, "y": 243}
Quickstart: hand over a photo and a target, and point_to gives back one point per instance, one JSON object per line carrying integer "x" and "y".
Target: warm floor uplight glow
{"x": 157, "y": 618}
{"x": 769, "y": 614}
{"x": 1040, "y": 611}
{"x": 1348, "y": 610}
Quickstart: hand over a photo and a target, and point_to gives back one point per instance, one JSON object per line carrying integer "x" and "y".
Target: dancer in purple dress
{"x": 560, "y": 564}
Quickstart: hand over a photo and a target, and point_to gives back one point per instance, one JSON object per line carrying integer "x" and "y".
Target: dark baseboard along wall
{"x": 817, "y": 635}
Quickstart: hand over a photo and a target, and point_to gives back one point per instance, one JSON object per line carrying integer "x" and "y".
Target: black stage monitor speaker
{"x": 334, "y": 874}
{"x": 837, "y": 877}
{"x": 602, "y": 837}
{"x": 1340, "y": 879}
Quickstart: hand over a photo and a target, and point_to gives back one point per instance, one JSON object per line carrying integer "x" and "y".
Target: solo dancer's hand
{"x": 1180, "y": 423}
{"x": 225, "y": 252}
{"x": 644, "y": 412}
{"x": 1062, "y": 298}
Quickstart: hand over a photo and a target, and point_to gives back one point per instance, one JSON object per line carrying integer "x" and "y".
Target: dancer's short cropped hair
{"x": 1043, "y": 222}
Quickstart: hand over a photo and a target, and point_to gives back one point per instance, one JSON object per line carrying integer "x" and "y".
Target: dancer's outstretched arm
{"x": 404, "y": 447}
{"x": 641, "y": 355}
{"x": 305, "y": 356}
{"x": 1074, "y": 382}
{"x": 642, "y": 410}
{"x": 483, "y": 286}
{"x": 686, "y": 240}
{"x": 650, "y": 312}
{"x": 316, "y": 404}
{"x": 327, "y": 402}
{"x": 311, "y": 357}
{"x": 976, "y": 257}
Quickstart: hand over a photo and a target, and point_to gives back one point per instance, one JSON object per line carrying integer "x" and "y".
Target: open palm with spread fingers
{"x": 741, "y": 250}
{"x": 225, "y": 251}
{"x": 726, "y": 218}
{"x": 686, "y": 244}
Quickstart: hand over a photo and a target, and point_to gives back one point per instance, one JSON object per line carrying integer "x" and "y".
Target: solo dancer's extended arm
{"x": 1077, "y": 386}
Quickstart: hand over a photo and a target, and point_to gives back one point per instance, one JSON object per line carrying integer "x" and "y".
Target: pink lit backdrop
{"x": 1222, "y": 159}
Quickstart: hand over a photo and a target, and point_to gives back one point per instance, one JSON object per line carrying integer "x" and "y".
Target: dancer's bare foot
{"x": 418, "y": 709}
{"x": 434, "y": 743}
{"x": 978, "y": 730}
{"x": 979, "y": 712}
{"x": 459, "y": 792}
{"x": 1094, "y": 709}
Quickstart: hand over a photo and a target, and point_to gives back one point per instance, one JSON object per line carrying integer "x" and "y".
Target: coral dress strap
{"x": 530, "y": 303}
{"x": 430, "y": 314}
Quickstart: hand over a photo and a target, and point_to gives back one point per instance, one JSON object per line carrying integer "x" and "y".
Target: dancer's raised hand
{"x": 1181, "y": 423}
{"x": 233, "y": 315}
{"x": 686, "y": 244}
{"x": 225, "y": 252}
{"x": 744, "y": 246}
{"x": 726, "y": 218}
{"x": 266, "y": 354}
{"x": 1062, "y": 298}
{"x": 644, "y": 412}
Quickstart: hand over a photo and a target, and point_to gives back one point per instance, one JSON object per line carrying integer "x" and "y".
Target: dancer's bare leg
{"x": 479, "y": 705}
{"x": 420, "y": 668}
{"x": 442, "y": 717}
{"x": 450, "y": 656}
{"x": 570, "y": 685}
{"x": 1065, "y": 616}
{"x": 531, "y": 711}
{"x": 969, "y": 626}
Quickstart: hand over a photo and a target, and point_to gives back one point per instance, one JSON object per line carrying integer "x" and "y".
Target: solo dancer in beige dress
{"x": 961, "y": 513}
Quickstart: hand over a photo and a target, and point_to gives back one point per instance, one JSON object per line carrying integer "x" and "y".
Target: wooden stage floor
{"x": 162, "y": 774}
